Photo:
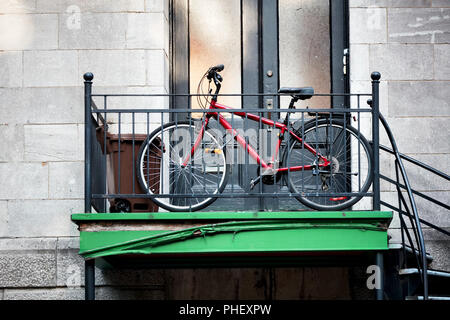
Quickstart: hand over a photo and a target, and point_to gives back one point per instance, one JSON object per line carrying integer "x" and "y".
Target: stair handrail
{"x": 421, "y": 242}
{"x": 417, "y": 163}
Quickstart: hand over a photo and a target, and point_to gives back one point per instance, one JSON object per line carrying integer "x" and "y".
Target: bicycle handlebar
{"x": 218, "y": 68}
{"x": 212, "y": 72}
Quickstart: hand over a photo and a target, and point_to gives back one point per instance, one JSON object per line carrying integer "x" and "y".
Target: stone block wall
{"x": 45, "y": 48}
{"x": 407, "y": 41}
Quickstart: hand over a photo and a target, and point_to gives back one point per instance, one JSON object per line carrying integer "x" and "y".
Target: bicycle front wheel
{"x": 339, "y": 185}
{"x": 182, "y": 186}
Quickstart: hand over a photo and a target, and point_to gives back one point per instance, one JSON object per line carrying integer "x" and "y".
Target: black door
{"x": 264, "y": 44}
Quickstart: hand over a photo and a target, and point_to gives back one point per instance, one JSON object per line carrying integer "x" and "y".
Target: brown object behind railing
{"x": 126, "y": 170}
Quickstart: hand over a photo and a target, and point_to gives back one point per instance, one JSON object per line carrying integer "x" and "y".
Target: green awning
{"x": 180, "y": 233}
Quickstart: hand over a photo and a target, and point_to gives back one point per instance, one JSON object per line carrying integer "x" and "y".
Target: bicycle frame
{"x": 248, "y": 148}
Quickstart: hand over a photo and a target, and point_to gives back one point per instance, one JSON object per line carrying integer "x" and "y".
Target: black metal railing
{"x": 408, "y": 209}
{"x": 115, "y": 132}
{"x": 112, "y": 173}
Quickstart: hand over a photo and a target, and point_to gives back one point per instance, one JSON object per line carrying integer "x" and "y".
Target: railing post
{"x": 89, "y": 279}
{"x": 376, "y": 138}
{"x": 87, "y": 140}
{"x": 379, "y": 260}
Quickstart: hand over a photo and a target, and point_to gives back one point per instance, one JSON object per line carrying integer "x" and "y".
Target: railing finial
{"x": 88, "y": 76}
{"x": 376, "y": 76}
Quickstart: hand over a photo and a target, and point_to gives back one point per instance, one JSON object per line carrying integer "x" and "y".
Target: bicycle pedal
{"x": 254, "y": 182}
{"x": 216, "y": 151}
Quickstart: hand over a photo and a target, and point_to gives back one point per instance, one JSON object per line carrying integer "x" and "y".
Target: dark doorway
{"x": 264, "y": 44}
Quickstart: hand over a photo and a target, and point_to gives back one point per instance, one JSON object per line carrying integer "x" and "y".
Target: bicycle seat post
{"x": 291, "y": 106}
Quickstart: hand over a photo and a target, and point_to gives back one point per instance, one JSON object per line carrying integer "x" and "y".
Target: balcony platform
{"x": 227, "y": 239}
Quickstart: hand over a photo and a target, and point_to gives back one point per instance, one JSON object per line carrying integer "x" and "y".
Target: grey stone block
{"x": 101, "y": 293}
{"x": 368, "y": 3}
{"x": 27, "y": 263}
{"x": 31, "y": 31}
{"x": 441, "y": 3}
{"x": 114, "y": 67}
{"x": 52, "y": 143}
{"x": 94, "y": 31}
{"x": 45, "y": 294}
{"x": 410, "y": 3}
{"x": 359, "y": 61}
{"x": 419, "y": 98}
{"x": 442, "y": 62}
{"x": 157, "y": 6}
{"x": 42, "y": 218}
{"x": 392, "y": 3}
{"x": 439, "y": 251}
{"x": 153, "y": 278}
{"x": 51, "y": 68}
{"x": 70, "y": 265}
{"x": 421, "y": 135}
{"x": 43, "y": 105}
{"x": 368, "y": 25}
{"x": 62, "y": 6}
{"x": 11, "y": 71}
{"x": 154, "y": 5}
{"x": 66, "y": 180}
{"x": 402, "y": 62}
{"x": 430, "y": 234}
{"x": 28, "y": 244}
{"x": 24, "y": 180}
{"x": 17, "y": 6}
{"x": 145, "y": 31}
{"x": 419, "y": 25}
{"x": 156, "y": 68}
{"x": 437, "y": 161}
{"x": 3, "y": 219}
{"x": 432, "y": 212}
{"x": 134, "y": 102}
{"x": 11, "y": 143}
{"x": 437, "y": 248}
{"x": 33, "y": 269}
{"x": 426, "y": 210}
{"x": 423, "y": 180}
{"x": 117, "y": 6}
{"x": 365, "y": 87}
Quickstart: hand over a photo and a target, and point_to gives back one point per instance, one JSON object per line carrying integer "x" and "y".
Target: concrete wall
{"x": 408, "y": 42}
{"x": 46, "y": 46}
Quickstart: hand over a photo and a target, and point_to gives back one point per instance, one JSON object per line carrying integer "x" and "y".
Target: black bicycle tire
{"x": 366, "y": 186}
{"x": 162, "y": 204}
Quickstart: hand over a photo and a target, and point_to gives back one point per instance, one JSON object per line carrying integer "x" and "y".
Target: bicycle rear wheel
{"x": 187, "y": 187}
{"x": 339, "y": 185}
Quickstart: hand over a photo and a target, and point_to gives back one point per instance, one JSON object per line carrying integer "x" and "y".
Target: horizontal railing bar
{"x": 421, "y": 220}
{"x": 222, "y": 94}
{"x": 227, "y": 195}
{"x": 334, "y": 110}
{"x": 415, "y": 192}
{"x": 417, "y": 162}
{"x": 94, "y": 106}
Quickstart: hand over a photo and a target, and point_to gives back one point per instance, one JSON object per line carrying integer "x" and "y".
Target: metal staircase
{"x": 407, "y": 267}
{"x": 149, "y": 239}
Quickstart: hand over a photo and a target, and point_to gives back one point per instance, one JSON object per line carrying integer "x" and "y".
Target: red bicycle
{"x": 326, "y": 163}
